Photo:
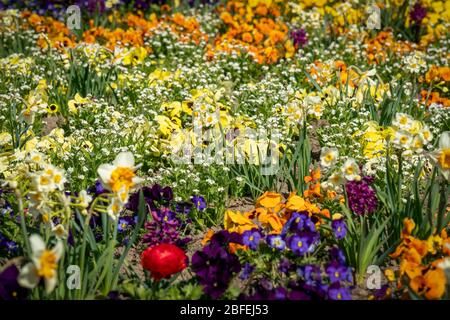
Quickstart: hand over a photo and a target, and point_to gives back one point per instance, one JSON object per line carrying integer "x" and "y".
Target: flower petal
{"x": 37, "y": 245}
{"x": 58, "y": 250}
{"x": 50, "y": 283}
{"x": 104, "y": 172}
{"x": 444, "y": 141}
{"x": 28, "y": 277}
{"x": 124, "y": 159}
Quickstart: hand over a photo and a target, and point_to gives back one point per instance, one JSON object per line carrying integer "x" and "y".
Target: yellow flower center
{"x": 48, "y": 264}
{"x": 57, "y": 178}
{"x": 44, "y": 180}
{"x": 329, "y": 157}
{"x": 121, "y": 176}
{"x": 349, "y": 170}
{"x": 299, "y": 244}
{"x": 444, "y": 159}
{"x": 403, "y": 139}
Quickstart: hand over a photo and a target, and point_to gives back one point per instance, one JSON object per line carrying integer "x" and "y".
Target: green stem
{"x": 23, "y": 225}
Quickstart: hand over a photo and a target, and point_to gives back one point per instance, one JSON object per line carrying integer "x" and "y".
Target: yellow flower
{"x": 77, "y": 103}
{"x": 52, "y": 108}
{"x": 295, "y": 203}
{"x": 269, "y": 200}
{"x": 135, "y": 56}
{"x": 5, "y": 138}
{"x": 166, "y": 126}
{"x": 237, "y": 222}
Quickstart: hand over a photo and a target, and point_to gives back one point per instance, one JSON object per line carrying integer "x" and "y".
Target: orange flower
{"x": 271, "y": 220}
{"x": 269, "y": 200}
{"x": 326, "y": 213}
{"x": 247, "y": 37}
{"x": 315, "y": 176}
{"x": 432, "y": 284}
{"x": 237, "y": 222}
{"x": 314, "y": 190}
{"x": 207, "y": 237}
{"x": 409, "y": 226}
{"x": 295, "y": 203}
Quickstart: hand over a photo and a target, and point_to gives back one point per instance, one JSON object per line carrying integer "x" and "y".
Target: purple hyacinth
{"x": 418, "y": 13}
{"x": 299, "y": 37}
{"x": 362, "y": 198}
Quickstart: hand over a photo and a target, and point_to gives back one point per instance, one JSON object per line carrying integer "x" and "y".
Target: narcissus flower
{"x": 328, "y": 157}
{"x": 119, "y": 177}
{"x": 350, "y": 170}
{"x": 44, "y": 264}
{"x": 164, "y": 260}
{"x": 442, "y": 155}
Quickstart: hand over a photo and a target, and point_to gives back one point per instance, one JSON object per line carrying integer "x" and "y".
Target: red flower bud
{"x": 163, "y": 260}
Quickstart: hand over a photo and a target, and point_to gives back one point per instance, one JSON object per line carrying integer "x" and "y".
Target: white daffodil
{"x": 119, "y": 176}
{"x": 328, "y": 157}
{"x": 442, "y": 155}
{"x": 59, "y": 231}
{"x": 49, "y": 179}
{"x": 335, "y": 179}
{"x": 84, "y": 199}
{"x": 44, "y": 264}
{"x": 403, "y": 139}
{"x": 36, "y": 157}
{"x": 350, "y": 170}
{"x": 403, "y": 121}
{"x": 417, "y": 144}
{"x": 426, "y": 134}
{"x": 114, "y": 208}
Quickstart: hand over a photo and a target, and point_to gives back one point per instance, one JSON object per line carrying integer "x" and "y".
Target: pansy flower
{"x": 276, "y": 242}
{"x": 251, "y": 238}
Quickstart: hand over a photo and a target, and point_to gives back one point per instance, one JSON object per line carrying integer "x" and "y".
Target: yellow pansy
{"x": 76, "y": 103}
{"x": 135, "y": 56}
